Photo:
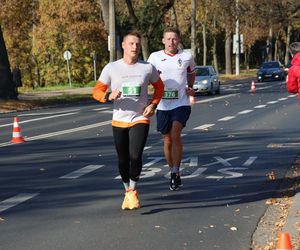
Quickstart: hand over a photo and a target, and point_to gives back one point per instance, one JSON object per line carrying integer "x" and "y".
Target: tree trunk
{"x": 193, "y": 29}
{"x": 214, "y": 48}
{"x": 204, "y": 44}
{"x": 105, "y": 13}
{"x": 288, "y": 35}
{"x": 228, "y": 41}
{"x": 145, "y": 47}
{"x": 269, "y": 44}
{"x": 7, "y": 87}
{"x": 214, "y": 52}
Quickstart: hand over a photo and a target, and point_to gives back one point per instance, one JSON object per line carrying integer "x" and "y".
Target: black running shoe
{"x": 179, "y": 180}
{"x": 174, "y": 182}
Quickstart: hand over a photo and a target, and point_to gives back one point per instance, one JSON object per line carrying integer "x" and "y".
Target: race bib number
{"x": 170, "y": 94}
{"x": 131, "y": 90}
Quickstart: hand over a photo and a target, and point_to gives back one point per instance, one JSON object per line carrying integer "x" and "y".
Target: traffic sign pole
{"x": 67, "y": 56}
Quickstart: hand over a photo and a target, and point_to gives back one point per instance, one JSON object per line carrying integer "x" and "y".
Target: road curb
{"x": 283, "y": 215}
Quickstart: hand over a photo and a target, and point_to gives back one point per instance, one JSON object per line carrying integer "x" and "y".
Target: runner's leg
{"x": 137, "y": 139}
{"x": 121, "y": 139}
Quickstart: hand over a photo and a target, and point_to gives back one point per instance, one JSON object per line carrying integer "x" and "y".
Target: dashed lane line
{"x": 82, "y": 171}
{"x": 260, "y": 106}
{"x": 15, "y": 200}
{"x": 100, "y": 109}
{"x": 245, "y": 111}
{"x": 204, "y": 126}
{"x": 39, "y": 119}
{"x": 226, "y": 118}
{"x": 63, "y": 132}
{"x": 216, "y": 98}
{"x": 48, "y": 113}
{"x": 272, "y": 102}
{"x": 284, "y": 145}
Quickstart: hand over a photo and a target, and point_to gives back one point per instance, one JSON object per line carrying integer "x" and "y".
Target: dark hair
{"x": 172, "y": 29}
{"x": 294, "y": 48}
{"x": 132, "y": 33}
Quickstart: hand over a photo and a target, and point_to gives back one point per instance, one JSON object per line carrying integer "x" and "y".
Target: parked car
{"x": 207, "y": 80}
{"x": 272, "y": 70}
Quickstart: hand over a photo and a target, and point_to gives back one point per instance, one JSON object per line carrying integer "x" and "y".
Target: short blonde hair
{"x": 173, "y": 30}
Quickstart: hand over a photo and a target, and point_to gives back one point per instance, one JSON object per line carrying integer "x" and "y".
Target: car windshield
{"x": 202, "y": 72}
{"x": 270, "y": 65}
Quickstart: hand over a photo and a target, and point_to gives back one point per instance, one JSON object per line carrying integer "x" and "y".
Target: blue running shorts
{"x": 165, "y": 118}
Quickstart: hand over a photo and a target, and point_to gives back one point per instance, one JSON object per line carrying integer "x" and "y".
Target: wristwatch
{"x": 154, "y": 106}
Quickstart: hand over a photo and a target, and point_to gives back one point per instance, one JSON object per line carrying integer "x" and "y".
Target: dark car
{"x": 272, "y": 70}
{"x": 207, "y": 80}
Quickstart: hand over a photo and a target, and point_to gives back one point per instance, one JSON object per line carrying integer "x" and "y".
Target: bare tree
{"x": 147, "y": 31}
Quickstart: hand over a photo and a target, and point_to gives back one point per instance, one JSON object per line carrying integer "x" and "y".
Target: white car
{"x": 207, "y": 80}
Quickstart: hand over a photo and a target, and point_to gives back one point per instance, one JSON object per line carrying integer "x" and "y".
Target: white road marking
{"x": 249, "y": 161}
{"x": 260, "y": 106}
{"x": 216, "y": 98}
{"x": 100, "y": 109}
{"x": 222, "y": 161}
{"x": 282, "y": 99}
{"x": 226, "y": 118}
{"x": 68, "y": 131}
{"x": 272, "y": 102}
{"x": 245, "y": 111}
{"x": 78, "y": 173}
{"x": 284, "y": 145}
{"x": 15, "y": 200}
{"x": 38, "y": 119}
{"x": 290, "y": 96}
{"x": 48, "y": 113}
{"x": 205, "y": 126}
{"x": 148, "y": 147}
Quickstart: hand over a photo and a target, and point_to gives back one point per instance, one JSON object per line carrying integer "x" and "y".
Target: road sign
{"x": 236, "y": 41}
{"x": 67, "y": 55}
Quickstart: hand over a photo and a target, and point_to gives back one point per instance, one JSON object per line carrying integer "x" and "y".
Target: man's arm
{"x": 191, "y": 78}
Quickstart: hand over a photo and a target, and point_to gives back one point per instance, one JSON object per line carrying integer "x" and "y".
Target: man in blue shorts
{"x": 176, "y": 68}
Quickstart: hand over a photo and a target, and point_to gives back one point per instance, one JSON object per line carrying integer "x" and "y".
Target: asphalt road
{"x": 61, "y": 189}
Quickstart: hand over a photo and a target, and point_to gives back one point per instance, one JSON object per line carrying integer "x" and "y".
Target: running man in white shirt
{"x": 176, "y": 68}
{"x": 128, "y": 79}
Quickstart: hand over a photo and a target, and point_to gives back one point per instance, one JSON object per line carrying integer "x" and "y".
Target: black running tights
{"x": 129, "y": 143}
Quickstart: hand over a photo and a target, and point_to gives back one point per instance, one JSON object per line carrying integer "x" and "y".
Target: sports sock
{"x": 126, "y": 185}
{"x": 132, "y": 184}
{"x": 175, "y": 170}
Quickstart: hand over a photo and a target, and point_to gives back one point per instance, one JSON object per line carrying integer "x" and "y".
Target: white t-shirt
{"x": 173, "y": 71}
{"x": 132, "y": 81}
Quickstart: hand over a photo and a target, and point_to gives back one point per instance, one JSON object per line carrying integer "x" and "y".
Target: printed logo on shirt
{"x": 179, "y": 62}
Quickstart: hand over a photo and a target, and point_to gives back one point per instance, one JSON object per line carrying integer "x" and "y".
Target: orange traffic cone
{"x": 284, "y": 242}
{"x": 253, "y": 88}
{"x": 16, "y": 135}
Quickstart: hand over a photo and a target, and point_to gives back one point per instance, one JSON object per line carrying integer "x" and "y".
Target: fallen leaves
{"x": 271, "y": 175}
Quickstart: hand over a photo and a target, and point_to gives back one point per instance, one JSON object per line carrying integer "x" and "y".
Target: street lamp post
{"x": 237, "y": 33}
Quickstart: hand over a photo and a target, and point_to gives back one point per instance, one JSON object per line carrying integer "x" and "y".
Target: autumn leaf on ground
{"x": 271, "y": 175}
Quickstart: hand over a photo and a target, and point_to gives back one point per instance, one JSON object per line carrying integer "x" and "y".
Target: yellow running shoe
{"x": 125, "y": 204}
{"x": 133, "y": 200}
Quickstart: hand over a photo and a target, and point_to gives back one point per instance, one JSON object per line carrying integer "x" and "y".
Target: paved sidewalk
{"x": 39, "y": 95}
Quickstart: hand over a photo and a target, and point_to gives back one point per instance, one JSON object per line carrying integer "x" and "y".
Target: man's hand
{"x": 149, "y": 110}
{"x": 114, "y": 95}
{"x": 190, "y": 91}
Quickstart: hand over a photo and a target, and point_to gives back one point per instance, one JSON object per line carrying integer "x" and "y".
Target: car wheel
{"x": 218, "y": 90}
{"x": 211, "y": 91}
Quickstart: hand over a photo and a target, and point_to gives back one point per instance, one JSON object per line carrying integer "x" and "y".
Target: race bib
{"x": 170, "y": 94}
{"x": 131, "y": 90}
